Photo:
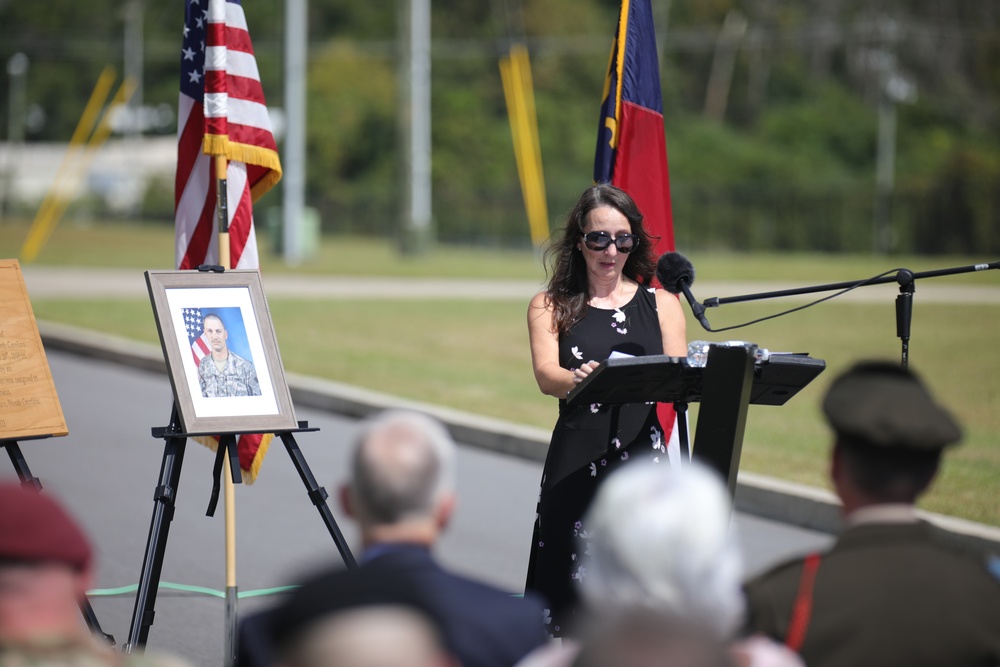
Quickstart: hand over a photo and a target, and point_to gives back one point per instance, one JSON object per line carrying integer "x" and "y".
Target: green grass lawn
{"x": 473, "y": 355}
{"x": 150, "y": 246}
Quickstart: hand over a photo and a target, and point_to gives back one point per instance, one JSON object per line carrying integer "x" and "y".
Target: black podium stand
{"x": 728, "y": 384}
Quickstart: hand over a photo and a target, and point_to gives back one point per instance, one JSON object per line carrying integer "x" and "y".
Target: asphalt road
{"x": 106, "y": 470}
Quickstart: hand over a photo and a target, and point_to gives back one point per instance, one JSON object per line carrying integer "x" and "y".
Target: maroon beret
{"x": 34, "y": 527}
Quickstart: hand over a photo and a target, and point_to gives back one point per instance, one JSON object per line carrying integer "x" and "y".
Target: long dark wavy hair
{"x": 568, "y": 287}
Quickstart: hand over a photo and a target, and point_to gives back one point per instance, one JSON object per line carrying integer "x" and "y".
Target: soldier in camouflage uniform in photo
{"x": 223, "y": 372}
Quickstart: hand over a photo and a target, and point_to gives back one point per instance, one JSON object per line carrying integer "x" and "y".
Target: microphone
{"x": 676, "y": 273}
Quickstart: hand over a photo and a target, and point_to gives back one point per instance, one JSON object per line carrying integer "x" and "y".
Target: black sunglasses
{"x": 601, "y": 240}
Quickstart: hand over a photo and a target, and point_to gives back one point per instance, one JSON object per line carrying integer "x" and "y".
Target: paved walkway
{"x": 53, "y": 282}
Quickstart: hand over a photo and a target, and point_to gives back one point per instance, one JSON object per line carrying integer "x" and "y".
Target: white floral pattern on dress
{"x": 656, "y": 437}
{"x": 618, "y": 319}
{"x": 577, "y": 354}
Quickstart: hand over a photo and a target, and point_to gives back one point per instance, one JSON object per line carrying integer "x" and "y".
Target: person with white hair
{"x": 659, "y": 541}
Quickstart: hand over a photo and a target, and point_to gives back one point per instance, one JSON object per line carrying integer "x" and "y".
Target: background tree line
{"x": 771, "y": 111}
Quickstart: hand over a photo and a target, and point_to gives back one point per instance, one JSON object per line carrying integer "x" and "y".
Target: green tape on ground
{"x": 201, "y": 590}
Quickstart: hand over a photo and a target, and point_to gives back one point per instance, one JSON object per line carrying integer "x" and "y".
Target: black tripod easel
{"x": 27, "y": 479}
{"x": 163, "y": 511}
{"x": 904, "y": 300}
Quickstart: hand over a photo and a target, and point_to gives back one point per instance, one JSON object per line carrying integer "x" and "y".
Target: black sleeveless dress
{"x": 583, "y": 450}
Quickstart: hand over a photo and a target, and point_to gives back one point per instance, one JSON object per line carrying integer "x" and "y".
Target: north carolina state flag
{"x": 631, "y": 141}
{"x": 631, "y": 145}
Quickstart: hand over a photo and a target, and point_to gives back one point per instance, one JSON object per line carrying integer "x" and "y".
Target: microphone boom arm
{"x": 830, "y": 287}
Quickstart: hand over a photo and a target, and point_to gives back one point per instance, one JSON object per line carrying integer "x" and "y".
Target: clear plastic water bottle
{"x": 698, "y": 351}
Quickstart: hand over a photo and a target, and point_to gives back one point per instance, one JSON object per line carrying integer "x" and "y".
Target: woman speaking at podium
{"x": 599, "y": 300}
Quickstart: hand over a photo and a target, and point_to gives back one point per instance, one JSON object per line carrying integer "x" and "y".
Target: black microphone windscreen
{"x": 673, "y": 268}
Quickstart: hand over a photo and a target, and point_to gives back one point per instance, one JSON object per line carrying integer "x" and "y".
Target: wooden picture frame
{"x": 227, "y": 376}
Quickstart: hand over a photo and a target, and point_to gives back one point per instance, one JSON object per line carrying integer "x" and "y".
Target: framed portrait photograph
{"x": 221, "y": 351}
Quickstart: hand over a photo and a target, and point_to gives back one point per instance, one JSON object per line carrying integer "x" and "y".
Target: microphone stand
{"x": 904, "y": 300}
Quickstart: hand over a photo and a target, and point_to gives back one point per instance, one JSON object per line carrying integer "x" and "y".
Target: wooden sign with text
{"x": 29, "y": 405}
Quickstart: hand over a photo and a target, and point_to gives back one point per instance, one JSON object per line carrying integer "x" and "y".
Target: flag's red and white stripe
{"x": 221, "y": 111}
{"x": 199, "y": 349}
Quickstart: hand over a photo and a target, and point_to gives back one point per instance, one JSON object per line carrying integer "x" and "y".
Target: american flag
{"x": 195, "y": 333}
{"x": 221, "y": 111}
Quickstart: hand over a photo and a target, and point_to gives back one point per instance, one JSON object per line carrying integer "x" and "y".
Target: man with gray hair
{"x": 402, "y": 479}
{"x": 402, "y": 495}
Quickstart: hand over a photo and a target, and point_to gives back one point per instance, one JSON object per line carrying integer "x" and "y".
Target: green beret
{"x": 885, "y": 405}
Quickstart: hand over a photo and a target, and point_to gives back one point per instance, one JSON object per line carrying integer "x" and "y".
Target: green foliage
{"x": 828, "y": 125}
{"x": 351, "y": 138}
{"x": 791, "y": 166}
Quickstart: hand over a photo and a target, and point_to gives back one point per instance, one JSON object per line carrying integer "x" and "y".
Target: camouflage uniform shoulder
{"x": 79, "y": 651}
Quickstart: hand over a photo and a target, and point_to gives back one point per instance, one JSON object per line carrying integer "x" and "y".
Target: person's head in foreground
{"x": 356, "y": 618}
{"x": 661, "y": 541}
{"x": 651, "y": 639}
{"x": 46, "y": 567}
{"x": 889, "y": 432}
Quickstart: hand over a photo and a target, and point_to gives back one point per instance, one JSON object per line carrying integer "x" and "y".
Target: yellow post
{"x": 221, "y": 164}
{"x": 60, "y": 203}
{"x": 515, "y": 72}
{"x": 41, "y": 228}
{"x": 540, "y": 214}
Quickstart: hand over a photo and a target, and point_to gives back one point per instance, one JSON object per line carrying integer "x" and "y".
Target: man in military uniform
{"x": 889, "y": 593}
{"x": 46, "y": 567}
{"x": 223, "y": 372}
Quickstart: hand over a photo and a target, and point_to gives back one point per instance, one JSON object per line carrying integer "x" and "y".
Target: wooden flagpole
{"x": 229, "y": 495}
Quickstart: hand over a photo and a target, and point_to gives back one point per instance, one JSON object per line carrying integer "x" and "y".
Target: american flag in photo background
{"x": 195, "y": 333}
{"x": 221, "y": 111}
